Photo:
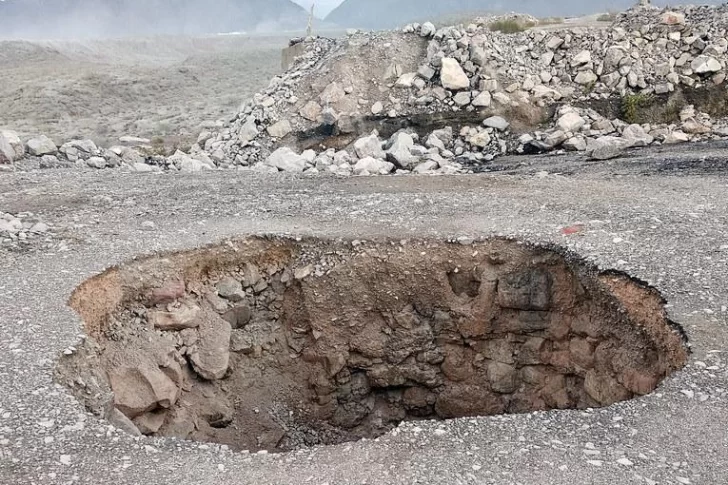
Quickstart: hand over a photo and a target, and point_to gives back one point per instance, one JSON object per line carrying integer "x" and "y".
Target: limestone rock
{"x": 585, "y": 78}
{"x": 676, "y": 137}
{"x": 141, "y": 388}
{"x": 7, "y": 154}
{"x": 497, "y": 122}
{"x": 41, "y": 146}
{"x": 248, "y": 132}
{"x": 606, "y": 147}
{"x": 406, "y": 80}
{"x": 482, "y": 100}
{"x": 311, "y": 111}
{"x": 452, "y": 75}
{"x": 583, "y": 57}
{"x": 185, "y": 317}
{"x": 369, "y": 146}
{"x": 373, "y": 166}
{"x": 428, "y": 29}
{"x": 636, "y": 136}
{"x": 212, "y": 356}
{"x": 705, "y": 65}
{"x": 286, "y": 160}
{"x": 12, "y": 139}
{"x": 400, "y": 151}
{"x": 333, "y": 93}
{"x": 280, "y": 129}
{"x": 480, "y": 140}
{"x": 570, "y": 121}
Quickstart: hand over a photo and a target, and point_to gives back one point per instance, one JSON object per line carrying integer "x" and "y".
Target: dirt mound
{"x": 277, "y": 344}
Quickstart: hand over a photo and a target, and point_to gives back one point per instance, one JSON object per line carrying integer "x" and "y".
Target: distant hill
{"x": 109, "y": 18}
{"x": 386, "y": 14}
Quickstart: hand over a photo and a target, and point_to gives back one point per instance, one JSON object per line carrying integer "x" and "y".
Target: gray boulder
{"x": 369, "y": 146}
{"x": 373, "y": 166}
{"x": 497, "y": 122}
{"x": 41, "y": 146}
{"x": 286, "y": 160}
{"x": 280, "y": 129}
{"x": 452, "y": 75}
{"x": 400, "y": 151}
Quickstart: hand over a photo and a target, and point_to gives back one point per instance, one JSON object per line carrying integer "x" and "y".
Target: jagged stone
{"x": 41, "y": 145}
{"x": 372, "y": 166}
{"x": 369, "y": 146}
{"x": 452, "y": 75}
{"x": 280, "y": 129}
{"x": 212, "y": 357}
{"x": 286, "y": 160}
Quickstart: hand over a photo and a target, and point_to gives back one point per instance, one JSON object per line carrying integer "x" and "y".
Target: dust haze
{"x": 63, "y": 19}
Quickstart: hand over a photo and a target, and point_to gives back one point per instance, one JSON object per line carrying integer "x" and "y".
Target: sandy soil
{"x": 153, "y": 87}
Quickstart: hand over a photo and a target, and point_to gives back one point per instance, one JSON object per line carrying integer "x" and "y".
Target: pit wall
{"x": 275, "y": 344}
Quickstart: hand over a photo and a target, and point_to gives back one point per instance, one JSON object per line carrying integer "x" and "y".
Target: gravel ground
{"x": 640, "y": 214}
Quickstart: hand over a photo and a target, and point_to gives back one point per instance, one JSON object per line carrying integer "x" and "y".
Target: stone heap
{"x": 474, "y": 93}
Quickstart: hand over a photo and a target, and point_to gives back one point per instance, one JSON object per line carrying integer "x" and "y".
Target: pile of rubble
{"x": 456, "y": 97}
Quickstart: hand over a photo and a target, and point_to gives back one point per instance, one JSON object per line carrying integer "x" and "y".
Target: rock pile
{"x": 470, "y": 69}
{"x": 455, "y": 97}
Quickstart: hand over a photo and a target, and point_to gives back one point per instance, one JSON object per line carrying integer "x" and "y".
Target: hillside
{"x": 108, "y": 18}
{"x": 379, "y": 14}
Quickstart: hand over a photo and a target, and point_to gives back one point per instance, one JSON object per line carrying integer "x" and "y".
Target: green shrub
{"x": 632, "y": 105}
{"x": 509, "y": 26}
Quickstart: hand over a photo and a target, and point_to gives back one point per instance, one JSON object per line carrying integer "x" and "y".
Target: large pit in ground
{"x": 275, "y": 344}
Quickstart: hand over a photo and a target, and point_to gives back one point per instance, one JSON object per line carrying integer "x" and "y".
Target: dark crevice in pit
{"x": 276, "y": 344}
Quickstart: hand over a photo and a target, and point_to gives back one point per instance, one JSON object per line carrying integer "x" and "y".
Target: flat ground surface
{"x": 150, "y": 87}
{"x": 640, "y": 214}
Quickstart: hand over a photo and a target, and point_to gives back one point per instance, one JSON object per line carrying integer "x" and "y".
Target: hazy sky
{"x": 323, "y": 7}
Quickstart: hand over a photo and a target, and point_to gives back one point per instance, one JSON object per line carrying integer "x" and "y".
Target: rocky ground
{"x": 638, "y": 214}
{"x": 583, "y": 131}
{"x": 453, "y": 99}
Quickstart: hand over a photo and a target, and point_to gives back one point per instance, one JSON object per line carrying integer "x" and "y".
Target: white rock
{"x": 482, "y": 100}
{"x": 497, "y": 122}
{"x": 286, "y": 160}
{"x": 310, "y": 111}
{"x": 248, "y": 132}
{"x": 369, "y": 146}
{"x": 480, "y": 140}
{"x": 96, "y": 162}
{"x": 583, "y": 57}
{"x": 462, "y": 98}
{"x": 452, "y": 75}
{"x": 280, "y": 129}
{"x": 333, "y": 93}
{"x": 373, "y": 166}
{"x": 11, "y": 148}
{"x": 41, "y": 146}
{"x": 571, "y": 121}
{"x": 705, "y": 64}
{"x": 400, "y": 151}
{"x": 585, "y": 77}
{"x": 637, "y": 136}
{"x": 406, "y": 80}
{"x": 428, "y": 29}
{"x": 676, "y": 137}
{"x": 377, "y": 108}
